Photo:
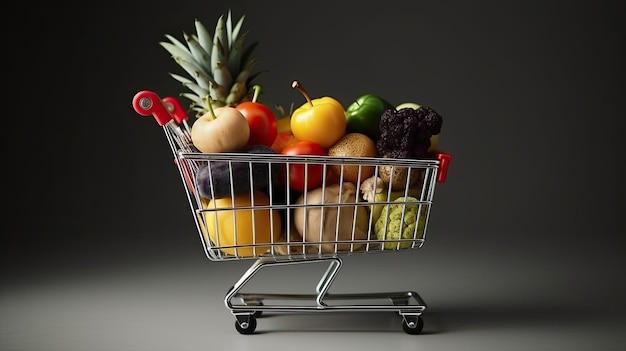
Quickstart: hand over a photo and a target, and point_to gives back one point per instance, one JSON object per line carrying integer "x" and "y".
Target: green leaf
{"x": 222, "y": 75}
{"x": 204, "y": 36}
{"x": 192, "y": 97}
{"x": 218, "y": 92}
{"x": 229, "y": 30}
{"x": 200, "y": 55}
{"x": 177, "y": 43}
{"x": 191, "y": 85}
{"x": 177, "y": 51}
{"x": 219, "y": 40}
{"x": 218, "y": 55}
{"x": 236, "y": 52}
{"x": 195, "y": 71}
{"x": 237, "y": 29}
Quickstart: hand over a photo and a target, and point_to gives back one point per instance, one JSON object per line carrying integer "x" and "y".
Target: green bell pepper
{"x": 363, "y": 115}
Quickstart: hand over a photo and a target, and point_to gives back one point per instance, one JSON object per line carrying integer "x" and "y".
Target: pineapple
{"x": 219, "y": 67}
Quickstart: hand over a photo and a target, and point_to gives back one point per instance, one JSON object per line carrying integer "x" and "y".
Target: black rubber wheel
{"x": 246, "y": 328}
{"x": 413, "y": 329}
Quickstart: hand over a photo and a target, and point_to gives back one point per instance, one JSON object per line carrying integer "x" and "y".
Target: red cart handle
{"x": 176, "y": 109}
{"x": 444, "y": 160}
{"x": 148, "y": 103}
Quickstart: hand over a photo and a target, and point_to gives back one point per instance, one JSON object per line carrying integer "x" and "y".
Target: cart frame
{"x": 246, "y": 307}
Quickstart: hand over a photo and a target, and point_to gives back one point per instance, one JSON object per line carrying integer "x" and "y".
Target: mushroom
{"x": 370, "y": 187}
{"x": 397, "y": 176}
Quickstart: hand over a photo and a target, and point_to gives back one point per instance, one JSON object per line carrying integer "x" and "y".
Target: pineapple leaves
{"x": 219, "y": 39}
{"x": 197, "y": 105}
{"x": 218, "y": 65}
{"x": 229, "y": 29}
{"x": 195, "y": 71}
{"x": 181, "y": 79}
{"x": 193, "y": 98}
{"x": 236, "y": 43}
{"x": 222, "y": 75}
{"x": 191, "y": 85}
{"x": 245, "y": 73}
{"x": 236, "y": 53}
{"x": 204, "y": 36}
{"x": 177, "y": 43}
{"x": 218, "y": 92}
{"x": 246, "y": 56}
{"x": 186, "y": 59}
{"x": 177, "y": 51}
{"x": 239, "y": 89}
{"x": 201, "y": 56}
{"x": 234, "y": 33}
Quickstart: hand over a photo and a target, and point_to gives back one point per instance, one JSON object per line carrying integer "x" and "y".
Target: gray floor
{"x": 170, "y": 302}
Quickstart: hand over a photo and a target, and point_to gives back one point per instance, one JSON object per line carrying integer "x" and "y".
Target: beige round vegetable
{"x": 220, "y": 130}
{"x": 332, "y": 222}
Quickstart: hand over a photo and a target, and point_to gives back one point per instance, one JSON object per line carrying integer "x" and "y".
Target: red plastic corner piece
{"x": 444, "y": 160}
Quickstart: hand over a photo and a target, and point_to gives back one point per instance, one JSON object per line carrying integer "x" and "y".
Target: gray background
{"x": 525, "y": 246}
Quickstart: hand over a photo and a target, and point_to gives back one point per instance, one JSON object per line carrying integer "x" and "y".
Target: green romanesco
{"x": 391, "y": 223}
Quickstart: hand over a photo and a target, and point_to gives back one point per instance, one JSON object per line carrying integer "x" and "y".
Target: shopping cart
{"x": 244, "y": 209}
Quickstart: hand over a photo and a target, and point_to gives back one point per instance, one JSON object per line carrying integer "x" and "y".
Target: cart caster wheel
{"x": 413, "y": 326}
{"x": 246, "y": 327}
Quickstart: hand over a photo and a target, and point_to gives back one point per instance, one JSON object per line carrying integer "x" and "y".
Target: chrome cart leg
{"x": 257, "y": 299}
{"x": 245, "y": 321}
{"x": 253, "y": 305}
{"x": 327, "y": 279}
{"x": 245, "y": 278}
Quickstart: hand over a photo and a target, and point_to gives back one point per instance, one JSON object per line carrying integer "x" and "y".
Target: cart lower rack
{"x": 245, "y": 208}
{"x": 251, "y": 305}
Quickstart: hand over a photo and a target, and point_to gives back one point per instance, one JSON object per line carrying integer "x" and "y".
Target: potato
{"x": 353, "y": 145}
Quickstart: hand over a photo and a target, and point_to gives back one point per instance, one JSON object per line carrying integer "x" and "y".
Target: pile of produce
{"x": 229, "y": 117}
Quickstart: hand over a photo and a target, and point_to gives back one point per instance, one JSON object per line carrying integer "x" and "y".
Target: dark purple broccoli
{"x": 405, "y": 133}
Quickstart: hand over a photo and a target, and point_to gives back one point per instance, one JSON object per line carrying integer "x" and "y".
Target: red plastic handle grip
{"x": 444, "y": 160}
{"x": 176, "y": 109}
{"x": 148, "y": 103}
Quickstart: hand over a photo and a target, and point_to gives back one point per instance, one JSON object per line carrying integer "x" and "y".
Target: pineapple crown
{"x": 219, "y": 67}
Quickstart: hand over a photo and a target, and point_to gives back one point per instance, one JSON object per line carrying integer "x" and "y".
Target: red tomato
{"x": 262, "y": 122}
{"x": 305, "y": 176}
